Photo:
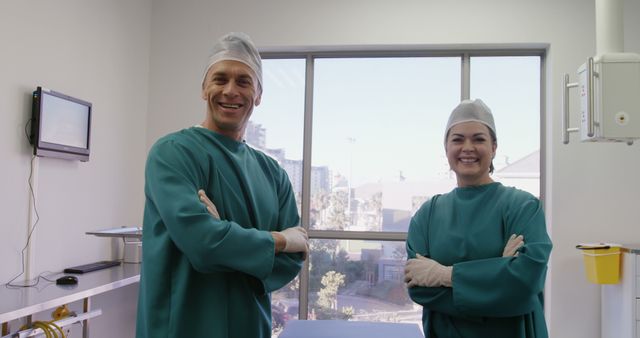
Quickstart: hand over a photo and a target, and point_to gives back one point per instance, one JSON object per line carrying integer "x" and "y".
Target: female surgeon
{"x": 478, "y": 254}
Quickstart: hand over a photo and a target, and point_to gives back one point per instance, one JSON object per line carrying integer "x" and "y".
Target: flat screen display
{"x": 65, "y": 123}
{"x": 61, "y": 125}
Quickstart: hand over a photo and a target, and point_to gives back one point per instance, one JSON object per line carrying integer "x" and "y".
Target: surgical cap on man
{"x": 470, "y": 111}
{"x": 236, "y": 47}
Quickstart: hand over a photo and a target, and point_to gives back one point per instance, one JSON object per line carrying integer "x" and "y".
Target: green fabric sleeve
{"x": 507, "y": 286}
{"x": 491, "y": 296}
{"x": 172, "y": 182}
{"x": 439, "y": 299}
{"x": 286, "y": 266}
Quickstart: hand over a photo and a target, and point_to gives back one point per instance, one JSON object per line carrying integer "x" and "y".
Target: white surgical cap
{"x": 236, "y": 47}
{"x": 470, "y": 111}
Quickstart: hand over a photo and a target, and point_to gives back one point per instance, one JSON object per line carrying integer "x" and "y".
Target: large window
{"x": 511, "y": 87}
{"x": 374, "y": 125}
{"x": 361, "y": 136}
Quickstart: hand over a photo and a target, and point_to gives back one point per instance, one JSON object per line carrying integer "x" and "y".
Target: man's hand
{"x": 293, "y": 239}
{"x": 422, "y": 271}
{"x": 513, "y": 244}
{"x": 207, "y": 202}
{"x": 296, "y": 240}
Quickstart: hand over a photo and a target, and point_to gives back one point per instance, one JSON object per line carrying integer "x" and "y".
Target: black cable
{"x": 33, "y": 197}
{"x": 36, "y": 281}
{"x": 45, "y": 278}
{"x": 26, "y": 129}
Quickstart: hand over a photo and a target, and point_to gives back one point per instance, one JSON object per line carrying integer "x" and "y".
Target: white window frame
{"x": 465, "y": 53}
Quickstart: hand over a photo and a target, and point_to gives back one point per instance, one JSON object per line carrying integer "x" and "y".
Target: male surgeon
{"x": 211, "y": 274}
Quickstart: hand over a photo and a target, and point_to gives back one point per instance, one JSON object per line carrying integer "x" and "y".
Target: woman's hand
{"x": 207, "y": 202}
{"x": 423, "y": 271}
{"x": 513, "y": 244}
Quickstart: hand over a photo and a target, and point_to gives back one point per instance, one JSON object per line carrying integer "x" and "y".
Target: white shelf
{"x": 130, "y": 232}
{"x": 61, "y": 323}
{"x": 21, "y": 302}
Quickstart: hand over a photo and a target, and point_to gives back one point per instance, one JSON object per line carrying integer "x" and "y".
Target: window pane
{"x": 378, "y": 130}
{"x": 510, "y": 86}
{"x": 276, "y": 125}
{"x": 276, "y": 128}
{"x": 359, "y": 280}
{"x": 284, "y": 306}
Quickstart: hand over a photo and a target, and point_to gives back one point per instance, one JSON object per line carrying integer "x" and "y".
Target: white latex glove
{"x": 296, "y": 240}
{"x": 207, "y": 202}
{"x": 422, "y": 271}
{"x": 513, "y": 244}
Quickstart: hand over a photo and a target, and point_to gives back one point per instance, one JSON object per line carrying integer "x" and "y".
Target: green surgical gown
{"x": 203, "y": 277}
{"x": 491, "y": 296}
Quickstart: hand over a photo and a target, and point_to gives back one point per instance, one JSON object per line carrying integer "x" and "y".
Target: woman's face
{"x": 470, "y": 151}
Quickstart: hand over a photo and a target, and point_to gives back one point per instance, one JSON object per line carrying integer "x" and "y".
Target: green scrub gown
{"x": 203, "y": 277}
{"x": 491, "y": 296}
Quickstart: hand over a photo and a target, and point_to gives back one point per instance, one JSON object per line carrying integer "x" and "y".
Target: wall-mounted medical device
{"x": 608, "y": 85}
{"x": 609, "y": 89}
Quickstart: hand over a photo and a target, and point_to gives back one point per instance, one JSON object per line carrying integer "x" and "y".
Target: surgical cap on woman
{"x": 470, "y": 111}
{"x": 236, "y": 47}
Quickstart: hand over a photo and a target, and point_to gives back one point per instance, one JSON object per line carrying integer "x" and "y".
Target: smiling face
{"x": 231, "y": 91}
{"x": 470, "y": 150}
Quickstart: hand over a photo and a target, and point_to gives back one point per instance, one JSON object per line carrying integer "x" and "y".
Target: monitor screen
{"x": 61, "y": 125}
{"x": 66, "y": 122}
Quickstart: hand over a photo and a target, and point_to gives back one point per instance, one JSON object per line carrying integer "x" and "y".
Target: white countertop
{"x": 20, "y": 302}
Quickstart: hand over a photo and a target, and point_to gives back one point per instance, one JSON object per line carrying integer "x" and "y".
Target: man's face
{"x": 231, "y": 91}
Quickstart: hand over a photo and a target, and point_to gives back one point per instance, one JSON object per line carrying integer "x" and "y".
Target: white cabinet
{"x": 621, "y": 302}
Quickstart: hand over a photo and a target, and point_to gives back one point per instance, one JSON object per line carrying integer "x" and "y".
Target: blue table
{"x": 346, "y": 329}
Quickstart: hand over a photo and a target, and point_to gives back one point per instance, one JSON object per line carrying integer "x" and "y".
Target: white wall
{"x": 590, "y": 188}
{"x": 97, "y": 51}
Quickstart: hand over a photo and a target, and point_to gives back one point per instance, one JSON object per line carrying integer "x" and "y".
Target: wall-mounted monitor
{"x": 61, "y": 125}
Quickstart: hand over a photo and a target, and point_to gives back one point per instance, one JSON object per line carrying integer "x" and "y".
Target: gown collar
{"x": 226, "y": 141}
{"x": 473, "y": 191}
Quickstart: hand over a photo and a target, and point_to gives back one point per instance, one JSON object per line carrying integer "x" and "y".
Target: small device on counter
{"x": 67, "y": 280}
{"x": 91, "y": 267}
